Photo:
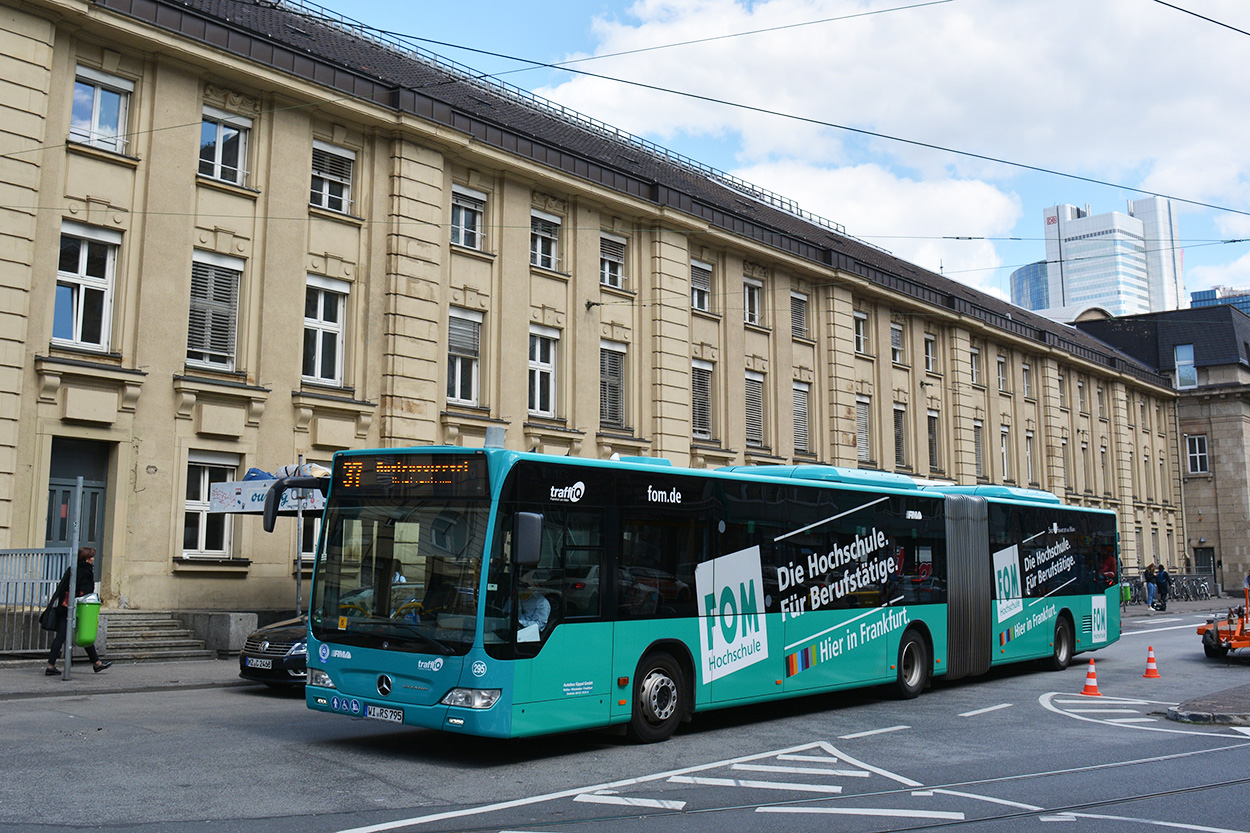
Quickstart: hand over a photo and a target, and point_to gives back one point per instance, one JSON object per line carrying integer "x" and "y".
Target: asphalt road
{"x": 1021, "y": 749}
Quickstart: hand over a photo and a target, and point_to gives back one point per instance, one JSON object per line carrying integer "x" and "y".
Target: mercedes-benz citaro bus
{"x": 506, "y": 594}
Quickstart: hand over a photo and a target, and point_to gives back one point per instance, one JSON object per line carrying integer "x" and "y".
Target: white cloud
{"x": 1236, "y": 273}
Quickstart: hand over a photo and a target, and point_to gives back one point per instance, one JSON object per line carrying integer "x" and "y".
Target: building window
{"x": 1145, "y": 423}
{"x": 332, "y": 177}
{"x": 754, "y": 418}
{"x": 978, "y": 446}
{"x": 930, "y": 354}
{"x": 1186, "y": 371}
{"x": 1148, "y": 474}
{"x": 214, "y": 309}
{"x": 802, "y": 433}
{"x": 1028, "y": 457}
{"x": 205, "y": 533}
{"x": 1004, "y": 450}
{"x": 612, "y": 261}
{"x": 935, "y": 442}
{"x": 464, "y": 346}
{"x": 468, "y": 209}
{"x": 974, "y": 364}
{"x": 611, "y": 384}
{"x": 544, "y": 240}
{"x": 1102, "y": 402}
{"x": 896, "y": 344}
{"x": 701, "y": 399}
{"x": 1063, "y": 389}
{"x": 1102, "y": 467}
{"x": 798, "y": 316}
{"x": 98, "y": 116}
{"x": 861, "y": 333}
{"x": 223, "y": 146}
{"x": 701, "y": 286}
{"x": 900, "y": 435}
{"x": 1196, "y": 451}
{"x": 1132, "y": 474}
{"x": 325, "y": 305}
{"x": 753, "y": 302}
{"x": 1026, "y": 381}
{"x": 1002, "y": 373}
{"x": 863, "y": 445}
{"x": 84, "y": 286}
{"x": 543, "y": 343}
{"x": 1081, "y": 404}
{"x": 1086, "y": 471}
{"x": 1063, "y": 462}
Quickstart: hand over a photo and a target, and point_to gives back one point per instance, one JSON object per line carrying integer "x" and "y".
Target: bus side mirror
{"x": 273, "y": 497}
{"x": 527, "y": 538}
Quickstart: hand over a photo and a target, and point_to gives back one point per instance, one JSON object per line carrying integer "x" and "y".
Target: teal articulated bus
{"x": 507, "y": 594}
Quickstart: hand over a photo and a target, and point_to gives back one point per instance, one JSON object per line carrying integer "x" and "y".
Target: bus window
{"x": 653, "y": 551}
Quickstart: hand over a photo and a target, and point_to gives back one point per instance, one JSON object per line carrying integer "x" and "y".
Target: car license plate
{"x": 382, "y": 713}
{"x": 253, "y": 662}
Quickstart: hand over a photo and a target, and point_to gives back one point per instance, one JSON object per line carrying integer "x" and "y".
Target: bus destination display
{"x": 412, "y": 475}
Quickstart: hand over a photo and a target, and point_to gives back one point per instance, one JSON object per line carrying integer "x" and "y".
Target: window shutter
{"x": 463, "y": 337}
{"x": 331, "y": 165}
{"x": 612, "y": 388}
{"x": 900, "y": 436}
{"x": 214, "y": 310}
{"x": 978, "y": 446}
{"x": 754, "y": 412}
{"x": 701, "y": 279}
{"x": 612, "y": 250}
{"x": 798, "y": 316}
{"x": 862, "y": 407}
{"x": 701, "y": 402}
{"x": 801, "y": 436}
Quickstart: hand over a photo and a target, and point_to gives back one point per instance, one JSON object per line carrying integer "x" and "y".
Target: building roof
{"x": 312, "y": 43}
{"x": 1220, "y": 336}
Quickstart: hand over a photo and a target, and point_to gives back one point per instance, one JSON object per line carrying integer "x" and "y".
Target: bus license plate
{"x": 252, "y": 662}
{"x": 381, "y": 713}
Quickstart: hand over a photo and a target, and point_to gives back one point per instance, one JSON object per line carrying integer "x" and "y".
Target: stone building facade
{"x": 235, "y": 234}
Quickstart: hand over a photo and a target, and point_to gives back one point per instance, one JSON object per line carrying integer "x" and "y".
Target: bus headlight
{"x": 472, "y": 698}
{"x": 319, "y": 678}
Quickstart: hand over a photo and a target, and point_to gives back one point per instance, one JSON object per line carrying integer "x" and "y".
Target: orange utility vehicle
{"x": 1219, "y": 636}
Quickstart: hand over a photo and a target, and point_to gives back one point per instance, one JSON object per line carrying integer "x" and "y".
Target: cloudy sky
{"x": 1136, "y": 93}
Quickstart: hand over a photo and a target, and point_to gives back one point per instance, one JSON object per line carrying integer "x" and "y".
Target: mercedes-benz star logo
{"x": 384, "y": 685}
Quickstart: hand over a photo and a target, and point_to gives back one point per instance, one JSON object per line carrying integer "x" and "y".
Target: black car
{"x": 277, "y": 654}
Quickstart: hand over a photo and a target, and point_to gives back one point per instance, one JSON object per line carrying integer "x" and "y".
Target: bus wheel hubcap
{"x": 659, "y": 696}
{"x": 911, "y": 668}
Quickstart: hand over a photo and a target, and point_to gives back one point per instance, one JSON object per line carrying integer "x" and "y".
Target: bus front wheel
{"x": 659, "y": 698}
{"x": 913, "y": 666}
{"x": 1062, "y": 653}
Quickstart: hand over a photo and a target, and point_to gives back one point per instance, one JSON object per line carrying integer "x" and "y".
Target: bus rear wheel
{"x": 659, "y": 698}
{"x": 1062, "y": 653}
{"x": 913, "y": 666}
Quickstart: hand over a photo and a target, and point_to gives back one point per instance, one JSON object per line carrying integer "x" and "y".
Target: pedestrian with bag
{"x": 84, "y": 584}
{"x": 1164, "y": 581}
{"x": 1151, "y": 585}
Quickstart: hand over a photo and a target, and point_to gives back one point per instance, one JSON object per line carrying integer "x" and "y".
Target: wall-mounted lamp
{"x": 1202, "y": 540}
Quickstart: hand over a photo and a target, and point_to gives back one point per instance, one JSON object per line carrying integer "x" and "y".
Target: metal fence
{"x": 27, "y": 579}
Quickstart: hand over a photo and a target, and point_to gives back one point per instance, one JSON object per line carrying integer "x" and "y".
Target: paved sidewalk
{"x": 24, "y": 678}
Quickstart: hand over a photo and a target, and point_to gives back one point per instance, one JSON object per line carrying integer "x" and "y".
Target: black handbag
{"x": 47, "y": 619}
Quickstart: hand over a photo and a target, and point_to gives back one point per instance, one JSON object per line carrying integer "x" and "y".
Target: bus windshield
{"x": 400, "y": 576}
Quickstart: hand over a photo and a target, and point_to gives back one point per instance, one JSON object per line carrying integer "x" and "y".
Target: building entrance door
{"x": 71, "y": 459}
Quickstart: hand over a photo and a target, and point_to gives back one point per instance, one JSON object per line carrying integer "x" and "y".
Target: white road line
{"x": 819, "y": 759}
{"x": 1101, "y": 711}
{"x": 1133, "y": 720}
{"x": 986, "y": 710}
{"x": 1048, "y": 702}
{"x": 625, "y": 782}
{"x": 990, "y": 799}
{"x": 885, "y": 773}
{"x": 873, "y": 732}
{"x": 1202, "y": 828}
{"x": 755, "y": 785}
{"x": 626, "y": 801}
{"x": 866, "y": 811}
{"x": 1159, "y": 630}
{"x": 1056, "y": 818}
{"x": 1119, "y": 701}
{"x": 802, "y": 770}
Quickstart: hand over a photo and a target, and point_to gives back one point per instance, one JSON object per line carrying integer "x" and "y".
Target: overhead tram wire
{"x": 1202, "y": 17}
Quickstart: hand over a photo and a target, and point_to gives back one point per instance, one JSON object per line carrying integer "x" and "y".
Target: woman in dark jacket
{"x": 85, "y": 584}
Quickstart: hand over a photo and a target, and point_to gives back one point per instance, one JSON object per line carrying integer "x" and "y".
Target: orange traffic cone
{"x": 1152, "y": 670}
{"x": 1091, "y": 682}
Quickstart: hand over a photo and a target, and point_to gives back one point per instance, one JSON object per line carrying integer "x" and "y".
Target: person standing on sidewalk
{"x": 84, "y": 585}
{"x": 1151, "y": 587}
{"x": 1164, "y": 581}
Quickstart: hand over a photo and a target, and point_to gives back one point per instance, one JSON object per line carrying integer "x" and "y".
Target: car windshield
{"x": 400, "y": 577}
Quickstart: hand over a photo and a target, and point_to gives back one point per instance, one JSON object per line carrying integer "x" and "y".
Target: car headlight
{"x": 472, "y": 698}
{"x": 317, "y": 677}
{"x": 298, "y": 649}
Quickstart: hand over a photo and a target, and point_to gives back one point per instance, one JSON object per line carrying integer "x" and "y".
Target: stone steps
{"x": 149, "y": 636}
